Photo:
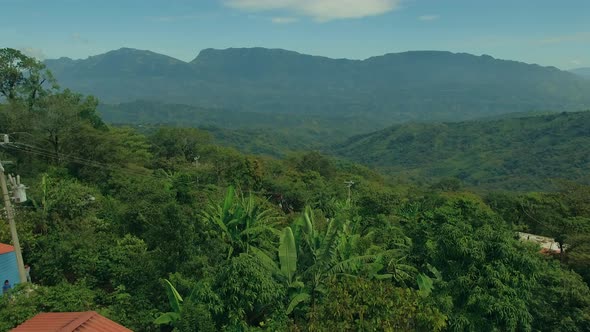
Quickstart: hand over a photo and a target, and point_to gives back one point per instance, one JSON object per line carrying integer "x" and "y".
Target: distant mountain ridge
{"x": 415, "y": 85}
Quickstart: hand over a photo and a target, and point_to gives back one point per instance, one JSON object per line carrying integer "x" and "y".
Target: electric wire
{"x": 73, "y": 159}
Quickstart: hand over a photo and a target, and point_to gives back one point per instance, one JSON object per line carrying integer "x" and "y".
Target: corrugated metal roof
{"x": 89, "y": 321}
{"x": 5, "y": 248}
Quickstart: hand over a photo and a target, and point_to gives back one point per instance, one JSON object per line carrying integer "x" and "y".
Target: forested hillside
{"x": 273, "y": 134}
{"x": 419, "y": 85}
{"x": 132, "y": 225}
{"x": 514, "y": 153}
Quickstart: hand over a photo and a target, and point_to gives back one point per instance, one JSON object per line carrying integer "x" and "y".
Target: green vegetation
{"x": 130, "y": 224}
{"x": 273, "y": 134}
{"x": 513, "y": 153}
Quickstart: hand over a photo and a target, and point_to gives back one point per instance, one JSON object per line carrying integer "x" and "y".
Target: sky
{"x": 546, "y": 32}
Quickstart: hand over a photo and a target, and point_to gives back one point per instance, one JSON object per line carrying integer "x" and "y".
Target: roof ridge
{"x": 6, "y": 248}
{"x": 83, "y": 318}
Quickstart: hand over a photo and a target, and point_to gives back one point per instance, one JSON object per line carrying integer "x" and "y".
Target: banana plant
{"x": 244, "y": 224}
{"x": 288, "y": 268}
{"x": 175, "y": 300}
{"x": 288, "y": 254}
{"x": 199, "y": 294}
{"x": 332, "y": 252}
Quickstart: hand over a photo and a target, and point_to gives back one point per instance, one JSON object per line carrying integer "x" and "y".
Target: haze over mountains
{"x": 584, "y": 72}
{"x": 417, "y": 85}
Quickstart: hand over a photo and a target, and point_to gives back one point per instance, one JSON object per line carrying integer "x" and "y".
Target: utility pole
{"x": 10, "y": 215}
{"x": 349, "y": 184}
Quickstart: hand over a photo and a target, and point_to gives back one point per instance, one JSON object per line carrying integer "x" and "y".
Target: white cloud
{"x": 576, "y": 62}
{"x": 33, "y": 52}
{"x": 319, "y": 10}
{"x": 574, "y": 38}
{"x": 174, "y": 18}
{"x": 284, "y": 20}
{"x": 428, "y": 17}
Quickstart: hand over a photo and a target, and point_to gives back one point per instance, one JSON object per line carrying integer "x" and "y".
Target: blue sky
{"x": 547, "y": 32}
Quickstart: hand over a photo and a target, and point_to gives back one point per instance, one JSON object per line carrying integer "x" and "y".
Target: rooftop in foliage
{"x": 5, "y": 248}
{"x": 69, "y": 322}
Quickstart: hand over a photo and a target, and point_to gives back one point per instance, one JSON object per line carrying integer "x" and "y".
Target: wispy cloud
{"x": 175, "y": 18}
{"x": 428, "y": 17}
{"x": 284, "y": 20}
{"x": 319, "y": 10}
{"x": 575, "y": 62}
{"x": 574, "y": 37}
{"x": 36, "y": 53}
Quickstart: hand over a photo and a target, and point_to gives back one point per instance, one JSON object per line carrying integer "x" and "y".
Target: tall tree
{"x": 22, "y": 77}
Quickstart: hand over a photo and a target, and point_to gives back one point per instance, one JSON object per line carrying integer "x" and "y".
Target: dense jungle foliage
{"x": 167, "y": 231}
{"x": 518, "y": 153}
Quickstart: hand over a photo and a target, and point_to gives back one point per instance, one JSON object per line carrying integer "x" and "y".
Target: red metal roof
{"x": 89, "y": 321}
{"x": 5, "y": 248}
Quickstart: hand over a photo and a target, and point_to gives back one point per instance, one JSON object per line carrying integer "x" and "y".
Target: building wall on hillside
{"x": 8, "y": 268}
{"x": 546, "y": 243}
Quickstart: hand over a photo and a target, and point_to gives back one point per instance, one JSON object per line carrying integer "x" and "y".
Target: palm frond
{"x": 329, "y": 244}
{"x": 257, "y": 230}
{"x": 264, "y": 258}
{"x": 351, "y": 265}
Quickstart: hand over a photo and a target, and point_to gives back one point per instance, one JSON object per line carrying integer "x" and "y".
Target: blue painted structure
{"x": 8, "y": 266}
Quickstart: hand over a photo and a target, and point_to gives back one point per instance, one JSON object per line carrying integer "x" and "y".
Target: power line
{"x": 91, "y": 163}
{"x": 78, "y": 160}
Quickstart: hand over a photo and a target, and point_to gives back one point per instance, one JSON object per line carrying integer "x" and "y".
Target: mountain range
{"x": 397, "y": 87}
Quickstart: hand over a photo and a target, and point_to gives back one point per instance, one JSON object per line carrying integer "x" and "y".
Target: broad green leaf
{"x": 425, "y": 284}
{"x": 167, "y": 318}
{"x": 297, "y": 284}
{"x": 298, "y": 298}
{"x": 264, "y": 258}
{"x": 173, "y": 297}
{"x": 434, "y": 271}
{"x": 308, "y": 218}
{"x": 288, "y": 254}
{"x": 229, "y": 199}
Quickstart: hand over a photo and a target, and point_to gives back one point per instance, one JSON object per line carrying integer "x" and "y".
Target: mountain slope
{"x": 514, "y": 153}
{"x": 418, "y": 85}
{"x": 124, "y": 74}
